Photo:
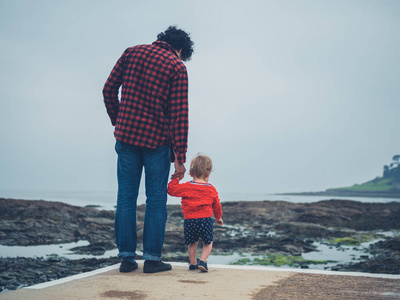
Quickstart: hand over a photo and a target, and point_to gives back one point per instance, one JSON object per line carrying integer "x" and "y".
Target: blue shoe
{"x": 203, "y": 266}
{"x": 193, "y": 267}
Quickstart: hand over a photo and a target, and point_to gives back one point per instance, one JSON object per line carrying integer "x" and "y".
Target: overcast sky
{"x": 284, "y": 96}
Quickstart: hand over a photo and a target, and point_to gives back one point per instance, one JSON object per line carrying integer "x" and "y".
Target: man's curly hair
{"x": 178, "y": 39}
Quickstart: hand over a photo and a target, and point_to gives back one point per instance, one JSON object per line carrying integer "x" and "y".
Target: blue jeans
{"x": 156, "y": 163}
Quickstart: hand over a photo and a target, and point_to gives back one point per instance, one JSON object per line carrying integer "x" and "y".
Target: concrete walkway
{"x": 221, "y": 282}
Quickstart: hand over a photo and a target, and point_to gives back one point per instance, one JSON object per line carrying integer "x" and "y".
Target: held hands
{"x": 220, "y": 222}
{"x": 179, "y": 170}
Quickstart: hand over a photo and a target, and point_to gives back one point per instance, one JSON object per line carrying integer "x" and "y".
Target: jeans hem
{"x": 124, "y": 255}
{"x": 148, "y": 256}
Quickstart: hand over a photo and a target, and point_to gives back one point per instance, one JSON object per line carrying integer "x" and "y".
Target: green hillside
{"x": 386, "y": 186}
{"x": 388, "y": 183}
{"x": 379, "y": 184}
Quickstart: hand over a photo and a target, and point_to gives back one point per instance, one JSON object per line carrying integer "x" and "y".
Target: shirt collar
{"x": 200, "y": 183}
{"x": 166, "y": 46}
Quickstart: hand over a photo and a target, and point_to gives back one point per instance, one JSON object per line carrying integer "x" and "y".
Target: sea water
{"x": 45, "y": 251}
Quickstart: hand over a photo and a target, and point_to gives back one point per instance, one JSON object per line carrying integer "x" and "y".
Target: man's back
{"x": 154, "y": 93}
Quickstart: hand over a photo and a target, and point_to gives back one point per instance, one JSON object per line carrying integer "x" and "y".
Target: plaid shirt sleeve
{"x": 179, "y": 115}
{"x": 111, "y": 88}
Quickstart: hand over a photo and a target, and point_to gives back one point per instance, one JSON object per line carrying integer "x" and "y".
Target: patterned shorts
{"x": 194, "y": 229}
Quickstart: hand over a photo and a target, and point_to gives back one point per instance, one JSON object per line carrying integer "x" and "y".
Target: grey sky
{"x": 284, "y": 95}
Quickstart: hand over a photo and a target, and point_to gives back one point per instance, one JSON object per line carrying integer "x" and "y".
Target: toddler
{"x": 199, "y": 202}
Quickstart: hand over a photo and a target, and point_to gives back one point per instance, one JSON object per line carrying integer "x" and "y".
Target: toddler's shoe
{"x": 203, "y": 266}
{"x": 193, "y": 267}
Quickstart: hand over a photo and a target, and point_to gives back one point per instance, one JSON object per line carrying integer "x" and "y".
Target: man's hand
{"x": 220, "y": 222}
{"x": 179, "y": 170}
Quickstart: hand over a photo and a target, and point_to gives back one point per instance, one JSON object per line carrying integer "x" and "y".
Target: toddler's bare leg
{"x": 192, "y": 249}
{"x": 206, "y": 251}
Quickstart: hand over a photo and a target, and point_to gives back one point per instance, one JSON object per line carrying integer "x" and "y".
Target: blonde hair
{"x": 201, "y": 166}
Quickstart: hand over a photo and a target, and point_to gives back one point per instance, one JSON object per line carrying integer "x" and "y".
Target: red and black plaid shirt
{"x": 153, "y": 110}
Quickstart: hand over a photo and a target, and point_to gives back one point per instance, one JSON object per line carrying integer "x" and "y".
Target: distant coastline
{"x": 348, "y": 193}
{"x": 386, "y": 186}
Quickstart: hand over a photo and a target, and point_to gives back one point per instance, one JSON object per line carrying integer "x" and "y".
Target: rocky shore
{"x": 264, "y": 228}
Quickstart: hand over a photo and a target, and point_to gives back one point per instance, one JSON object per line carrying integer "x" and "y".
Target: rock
{"x": 26, "y": 223}
{"x": 386, "y": 258}
{"x": 293, "y": 250}
{"x": 94, "y": 249}
{"x": 307, "y": 230}
{"x": 351, "y": 214}
{"x": 392, "y": 244}
{"x": 337, "y": 267}
{"x": 42, "y": 270}
{"x": 259, "y": 228}
{"x": 376, "y": 265}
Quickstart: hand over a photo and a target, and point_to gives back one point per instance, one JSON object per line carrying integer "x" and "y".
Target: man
{"x": 151, "y": 128}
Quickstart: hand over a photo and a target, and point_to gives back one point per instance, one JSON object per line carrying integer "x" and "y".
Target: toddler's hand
{"x": 220, "y": 222}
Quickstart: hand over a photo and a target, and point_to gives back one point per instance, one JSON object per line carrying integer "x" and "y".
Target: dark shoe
{"x": 127, "y": 266}
{"x": 152, "y": 266}
{"x": 203, "y": 266}
{"x": 193, "y": 267}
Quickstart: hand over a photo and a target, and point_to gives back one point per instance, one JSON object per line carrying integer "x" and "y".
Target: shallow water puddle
{"x": 326, "y": 252}
{"x": 51, "y": 250}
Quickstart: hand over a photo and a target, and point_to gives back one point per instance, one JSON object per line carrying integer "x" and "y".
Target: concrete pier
{"x": 221, "y": 282}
